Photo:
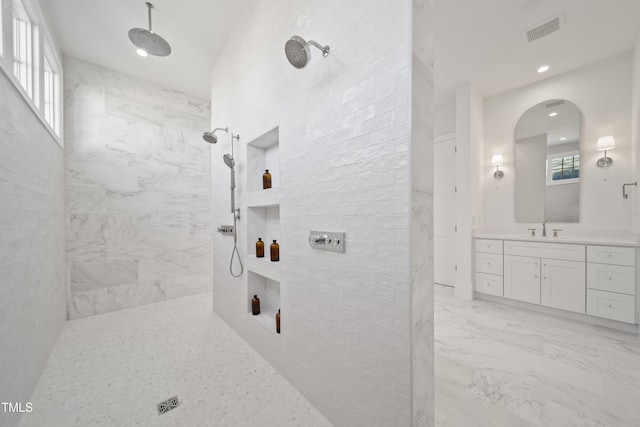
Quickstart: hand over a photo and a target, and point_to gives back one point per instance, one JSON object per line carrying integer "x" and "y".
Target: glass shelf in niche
{"x": 268, "y": 291}
{"x": 263, "y": 153}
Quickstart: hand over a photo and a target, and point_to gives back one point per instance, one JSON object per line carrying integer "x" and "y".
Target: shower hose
{"x": 235, "y": 249}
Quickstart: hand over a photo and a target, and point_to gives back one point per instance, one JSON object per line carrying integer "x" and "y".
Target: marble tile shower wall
{"x": 137, "y": 191}
{"x": 32, "y": 268}
{"x": 344, "y": 133}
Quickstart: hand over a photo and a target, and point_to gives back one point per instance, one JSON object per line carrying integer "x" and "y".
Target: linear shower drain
{"x": 167, "y": 405}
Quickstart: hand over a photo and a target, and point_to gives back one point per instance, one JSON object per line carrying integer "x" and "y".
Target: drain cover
{"x": 167, "y": 405}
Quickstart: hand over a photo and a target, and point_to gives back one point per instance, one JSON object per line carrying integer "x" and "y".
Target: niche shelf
{"x": 268, "y": 291}
{"x": 263, "y": 153}
{"x": 263, "y": 222}
{"x": 264, "y": 198}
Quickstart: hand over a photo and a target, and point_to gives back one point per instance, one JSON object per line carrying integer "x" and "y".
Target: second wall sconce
{"x": 605, "y": 143}
{"x": 496, "y": 161}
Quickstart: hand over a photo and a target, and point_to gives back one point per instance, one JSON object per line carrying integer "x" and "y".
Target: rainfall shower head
{"x": 298, "y": 52}
{"x": 148, "y": 42}
{"x": 210, "y": 137}
{"x": 229, "y": 161}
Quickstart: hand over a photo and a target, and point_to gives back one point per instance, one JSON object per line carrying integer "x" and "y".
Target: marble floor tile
{"x": 502, "y": 366}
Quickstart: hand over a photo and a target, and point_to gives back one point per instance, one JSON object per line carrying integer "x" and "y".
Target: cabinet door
{"x": 563, "y": 285}
{"x": 522, "y": 278}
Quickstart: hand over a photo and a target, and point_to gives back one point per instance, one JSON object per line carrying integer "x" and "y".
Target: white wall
{"x": 32, "y": 267}
{"x": 469, "y": 130}
{"x": 601, "y": 92}
{"x": 635, "y": 134}
{"x": 445, "y": 117}
{"x": 138, "y": 191}
{"x": 344, "y": 132}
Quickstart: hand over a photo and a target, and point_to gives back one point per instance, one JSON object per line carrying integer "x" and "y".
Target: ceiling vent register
{"x": 543, "y": 29}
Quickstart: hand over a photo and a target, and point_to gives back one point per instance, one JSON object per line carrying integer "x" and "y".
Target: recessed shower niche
{"x": 262, "y": 222}
{"x": 268, "y": 291}
{"x": 263, "y": 153}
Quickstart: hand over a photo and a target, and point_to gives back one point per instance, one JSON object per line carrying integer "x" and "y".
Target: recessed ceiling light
{"x": 563, "y": 139}
{"x": 142, "y": 52}
{"x": 543, "y": 69}
{"x": 553, "y": 114}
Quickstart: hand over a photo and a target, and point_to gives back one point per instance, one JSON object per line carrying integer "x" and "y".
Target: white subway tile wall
{"x": 344, "y": 128}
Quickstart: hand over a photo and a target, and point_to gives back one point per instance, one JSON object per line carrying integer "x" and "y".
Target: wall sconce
{"x": 605, "y": 143}
{"x": 496, "y": 161}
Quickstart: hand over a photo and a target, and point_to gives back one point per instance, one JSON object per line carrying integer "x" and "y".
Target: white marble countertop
{"x": 582, "y": 240}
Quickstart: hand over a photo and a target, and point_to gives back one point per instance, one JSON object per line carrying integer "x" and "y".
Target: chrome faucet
{"x": 544, "y": 228}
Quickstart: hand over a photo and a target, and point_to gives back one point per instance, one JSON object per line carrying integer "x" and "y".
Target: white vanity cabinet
{"x": 578, "y": 276}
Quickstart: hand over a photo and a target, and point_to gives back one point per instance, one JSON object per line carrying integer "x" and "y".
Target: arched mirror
{"x": 547, "y": 163}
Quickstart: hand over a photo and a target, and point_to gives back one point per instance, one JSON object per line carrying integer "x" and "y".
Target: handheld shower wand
{"x": 231, "y": 163}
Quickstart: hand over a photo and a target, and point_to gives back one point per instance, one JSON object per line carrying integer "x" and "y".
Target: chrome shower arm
{"x": 324, "y": 49}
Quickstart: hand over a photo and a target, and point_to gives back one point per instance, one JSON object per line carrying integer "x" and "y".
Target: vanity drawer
{"x": 611, "y": 305}
{"x": 612, "y": 278}
{"x": 488, "y": 263}
{"x": 545, "y": 250}
{"x": 489, "y": 246}
{"x": 611, "y": 255}
{"x": 490, "y": 284}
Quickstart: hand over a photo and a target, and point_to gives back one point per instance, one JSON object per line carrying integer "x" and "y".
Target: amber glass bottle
{"x": 255, "y": 305}
{"x": 260, "y": 248}
{"x": 275, "y": 251}
{"x": 278, "y": 321}
{"x": 266, "y": 179}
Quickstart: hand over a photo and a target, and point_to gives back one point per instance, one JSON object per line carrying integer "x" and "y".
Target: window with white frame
{"x": 31, "y": 60}
{"x": 51, "y": 93}
{"x": 563, "y": 168}
{"x": 23, "y": 58}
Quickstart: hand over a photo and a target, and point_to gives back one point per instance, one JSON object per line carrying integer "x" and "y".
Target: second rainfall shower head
{"x": 298, "y": 52}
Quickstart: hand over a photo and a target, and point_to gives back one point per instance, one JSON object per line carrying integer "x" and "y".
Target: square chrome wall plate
{"x": 327, "y": 240}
